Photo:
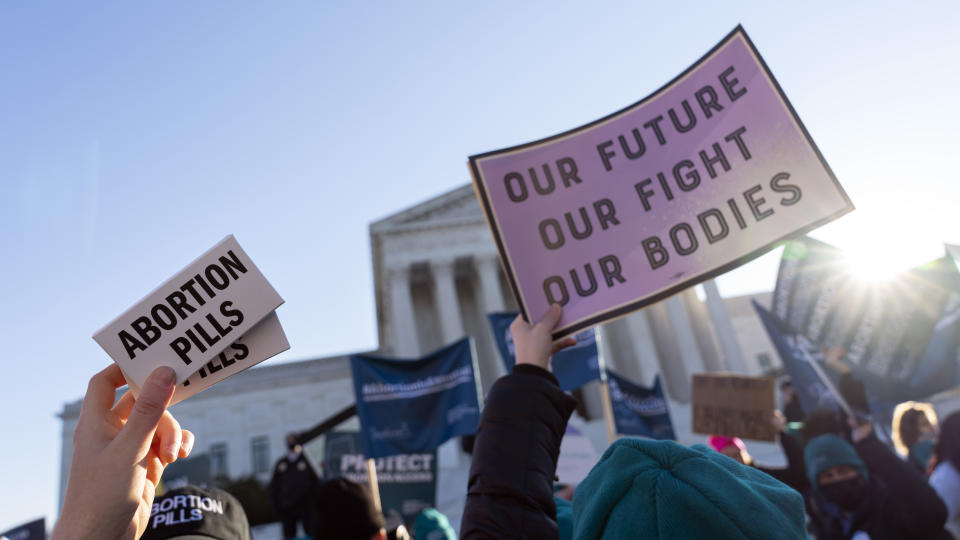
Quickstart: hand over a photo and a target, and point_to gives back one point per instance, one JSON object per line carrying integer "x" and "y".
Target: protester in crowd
{"x": 732, "y": 447}
{"x": 864, "y": 488}
{"x": 291, "y": 489}
{"x": 119, "y": 453}
{"x": 822, "y": 422}
{"x": 344, "y": 510}
{"x": 790, "y": 403}
{"x": 190, "y": 513}
{"x": 792, "y": 475}
{"x": 945, "y": 478}
{"x": 432, "y": 525}
{"x": 638, "y": 488}
{"x": 914, "y": 432}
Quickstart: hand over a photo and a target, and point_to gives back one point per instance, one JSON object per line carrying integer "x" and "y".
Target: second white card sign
{"x": 263, "y": 341}
{"x": 192, "y": 316}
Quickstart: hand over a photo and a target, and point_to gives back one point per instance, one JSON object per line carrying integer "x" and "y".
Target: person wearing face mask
{"x": 292, "y": 488}
{"x": 863, "y": 490}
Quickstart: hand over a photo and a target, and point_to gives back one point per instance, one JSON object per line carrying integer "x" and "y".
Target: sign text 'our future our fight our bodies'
{"x": 193, "y": 316}
{"x": 708, "y": 172}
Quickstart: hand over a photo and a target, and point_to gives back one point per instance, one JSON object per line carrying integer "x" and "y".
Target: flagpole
{"x": 605, "y": 387}
{"x": 374, "y": 484}
{"x": 827, "y": 382}
{"x": 474, "y": 362}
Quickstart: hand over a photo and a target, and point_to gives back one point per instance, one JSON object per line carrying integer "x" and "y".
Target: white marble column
{"x": 488, "y": 274}
{"x": 644, "y": 349}
{"x": 445, "y": 297}
{"x": 490, "y": 300}
{"x": 732, "y": 355}
{"x": 402, "y": 318}
{"x": 686, "y": 339}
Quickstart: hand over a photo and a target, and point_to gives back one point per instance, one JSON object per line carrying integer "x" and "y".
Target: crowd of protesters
{"x": 841, "y": 479}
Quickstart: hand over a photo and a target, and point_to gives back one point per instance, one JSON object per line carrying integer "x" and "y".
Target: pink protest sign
{"x": 707, "y": 173}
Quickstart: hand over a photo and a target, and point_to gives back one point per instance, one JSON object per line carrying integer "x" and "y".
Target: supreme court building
{"x": 436, "y": 276}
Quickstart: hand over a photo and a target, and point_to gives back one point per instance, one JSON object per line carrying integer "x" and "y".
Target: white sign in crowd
{"x": 213, "y": 319}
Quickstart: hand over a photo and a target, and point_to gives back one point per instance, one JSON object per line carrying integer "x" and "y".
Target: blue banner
{"x": 407, "y": 482}
{"x": 640, "y": 411}
{"x": 796, "y": 352}
{"x": 574, "y": 366}
{"x": 411, "y": 406}
{"x": 35, "y": 530}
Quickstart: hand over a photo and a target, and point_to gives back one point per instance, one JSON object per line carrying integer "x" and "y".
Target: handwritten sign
{"x": 192, "y": 317}
{"x": 709, "y": 172}
{"x": 734, "y": 406}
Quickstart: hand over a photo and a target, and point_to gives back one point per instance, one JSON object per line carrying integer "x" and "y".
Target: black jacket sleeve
{"x": 510, "y": 491}
{"x": 909, "y": 505}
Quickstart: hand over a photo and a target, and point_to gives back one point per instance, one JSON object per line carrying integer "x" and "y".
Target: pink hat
{"x": 719, "y": 442}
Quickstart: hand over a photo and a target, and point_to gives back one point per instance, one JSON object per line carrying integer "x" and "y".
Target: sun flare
{"x": 873, "y": 266}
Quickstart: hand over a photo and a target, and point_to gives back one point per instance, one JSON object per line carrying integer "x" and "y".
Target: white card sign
{"x": 263, "y": 341}
{"x": 191, "y": 317}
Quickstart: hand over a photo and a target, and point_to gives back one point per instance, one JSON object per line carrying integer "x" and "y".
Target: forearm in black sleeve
{"x": 510, "y": 491}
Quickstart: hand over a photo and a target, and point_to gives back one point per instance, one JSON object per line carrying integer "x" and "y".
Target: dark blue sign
{"x": 797, "y": 352}
{"x": 407, "y": 482}
{"x": 35, "y": 530}
{"x": 574, "y": 366}
{"x": 640, "y": 411}
{"x": 411, "y": 406}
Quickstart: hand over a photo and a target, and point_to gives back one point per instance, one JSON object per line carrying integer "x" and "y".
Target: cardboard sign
{"x": 709, "y": 172}
{"x": 191, "y": 317}
{"x": 734, "y": 406}
{"x": 263, "y": 341}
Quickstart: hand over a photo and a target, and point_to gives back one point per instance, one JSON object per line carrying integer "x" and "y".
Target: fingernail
{"x": 165, "y": 376}
{"x": 171, "y": 451}
{"x": 186, "y": 448}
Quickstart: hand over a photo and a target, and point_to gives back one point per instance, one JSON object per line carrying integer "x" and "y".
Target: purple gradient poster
{"x": 709, "y": 172}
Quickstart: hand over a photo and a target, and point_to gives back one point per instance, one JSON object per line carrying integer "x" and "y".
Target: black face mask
{"x": 847, "y": 494}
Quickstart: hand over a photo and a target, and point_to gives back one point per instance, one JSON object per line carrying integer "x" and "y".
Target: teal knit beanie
{"x": 432, "y": 525}
{"x": 828, "y": 451}
{"x": 659, "y": 489}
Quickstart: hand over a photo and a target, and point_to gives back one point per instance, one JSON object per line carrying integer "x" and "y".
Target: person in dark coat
{"x": 510, "y": 488}
{"x": 792, "y": 475}
{"x": 345, "y": 511}
{"x": 292, "y": 488}
{"x": 864, "y": 488}
{"x": 639, "y": 488}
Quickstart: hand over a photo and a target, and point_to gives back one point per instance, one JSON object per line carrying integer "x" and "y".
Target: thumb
{"x": 148, "y": 408}
{"x": 552, "y": 316}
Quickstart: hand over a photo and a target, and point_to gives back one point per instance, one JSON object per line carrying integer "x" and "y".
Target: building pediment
{"x": 455, "y": 207}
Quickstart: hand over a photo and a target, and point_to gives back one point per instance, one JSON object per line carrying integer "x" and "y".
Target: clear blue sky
{"x": 133, "y": 136}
